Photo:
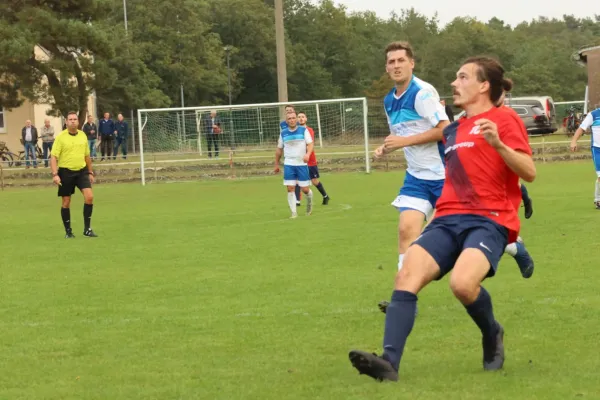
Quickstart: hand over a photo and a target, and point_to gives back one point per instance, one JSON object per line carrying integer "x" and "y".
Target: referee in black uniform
{"x": 72, "y": 167}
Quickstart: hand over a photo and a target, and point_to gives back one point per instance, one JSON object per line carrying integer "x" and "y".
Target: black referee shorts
{"x": 71, "y": 179}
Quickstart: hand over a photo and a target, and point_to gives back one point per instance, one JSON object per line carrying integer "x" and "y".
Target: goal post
{"x": 184, "y": 135}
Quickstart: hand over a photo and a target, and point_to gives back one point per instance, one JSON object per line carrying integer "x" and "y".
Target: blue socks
{"x": 524, "y": 194}
{"x": 482, "y": 313}
{"x": 399, "y": 320}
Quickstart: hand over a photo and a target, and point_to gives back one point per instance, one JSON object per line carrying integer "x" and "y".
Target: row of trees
{"x": 330, "y": 52}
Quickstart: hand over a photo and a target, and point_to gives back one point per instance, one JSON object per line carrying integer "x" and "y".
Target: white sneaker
{"x": 294, "y": 215}
{"x": 308, "y": 206}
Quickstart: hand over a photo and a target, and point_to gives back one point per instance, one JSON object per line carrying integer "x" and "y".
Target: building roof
{"x": 580, "y": 56}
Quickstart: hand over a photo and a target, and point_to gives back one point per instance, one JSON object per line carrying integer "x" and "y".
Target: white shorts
{"x": 403, "y": 203}
{"x": 296, "y": 175}
{"x": 418, "y": 194}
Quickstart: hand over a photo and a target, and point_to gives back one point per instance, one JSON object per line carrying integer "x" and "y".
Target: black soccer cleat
{"x": 69, "y": 235}
{"x": 597, "y": 204}
{"x": 89, "y": 233}
{"x": 493, "y": 351}
{"x": 325, "y": 200}
{"x": 372, "y": 365}
{"x": 528, "y": 208}
{"x": 383, "y": 305}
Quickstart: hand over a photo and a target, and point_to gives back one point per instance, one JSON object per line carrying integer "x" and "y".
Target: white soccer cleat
{"x": 294, "y": 215}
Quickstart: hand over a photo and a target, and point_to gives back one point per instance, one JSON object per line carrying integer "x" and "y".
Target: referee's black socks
{"x": 65, "y": 213}
{"x": 87, "y": 215}
{"x": 322, "y": 189}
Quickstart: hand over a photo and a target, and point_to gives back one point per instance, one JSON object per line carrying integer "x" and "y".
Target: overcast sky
{"x": 511, "y": 12}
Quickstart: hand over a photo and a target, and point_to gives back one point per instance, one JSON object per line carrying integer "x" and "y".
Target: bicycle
{"x": 573, "y": 119}
{"x": 8, "y": 157}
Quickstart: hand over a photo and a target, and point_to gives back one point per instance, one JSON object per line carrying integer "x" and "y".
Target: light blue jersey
{"x": 293, "y": 143}
{"x": 415, "y": 111}
{"x": 592, "y": 121}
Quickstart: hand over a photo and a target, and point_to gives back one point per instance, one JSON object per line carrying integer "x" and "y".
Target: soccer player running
{"x": 416, "y": 119}
{"x": 72, "y": 167}
{"x": 592, "y": 120}
{"x": 313, "y": 169}
{"x": 296, "y": 144}
{"x": 486, "y": 153}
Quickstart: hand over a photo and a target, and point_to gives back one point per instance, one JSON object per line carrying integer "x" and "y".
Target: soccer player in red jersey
{"x": 486, "y": 154}
{"x": 313, "y": 169}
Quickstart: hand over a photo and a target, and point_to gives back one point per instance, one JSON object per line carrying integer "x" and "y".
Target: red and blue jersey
{"x": 478, "y": 181}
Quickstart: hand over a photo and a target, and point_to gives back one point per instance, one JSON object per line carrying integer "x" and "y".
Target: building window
{"x": 2, "y": 126}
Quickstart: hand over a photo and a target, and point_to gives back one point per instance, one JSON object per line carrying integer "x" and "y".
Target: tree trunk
{"x": 82, "y": 93}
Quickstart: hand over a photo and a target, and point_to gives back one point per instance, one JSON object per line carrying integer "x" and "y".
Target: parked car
{"x": 535, "y": 119}
{"x": 545, "y": 104}
{"x": 538, "y": 113}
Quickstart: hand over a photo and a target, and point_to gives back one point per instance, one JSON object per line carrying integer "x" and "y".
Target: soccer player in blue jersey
{"x": 283, "y": 125}
{"x": 296, "y": 144}
{"x": 416, "y": 119}
{"x": 591, "y": 121}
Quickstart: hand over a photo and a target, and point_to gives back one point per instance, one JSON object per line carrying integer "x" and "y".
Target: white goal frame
{"x": 198, "y": 110}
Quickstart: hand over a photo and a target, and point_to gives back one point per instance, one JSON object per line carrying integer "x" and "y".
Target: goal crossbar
{"x": 197, "y": 111}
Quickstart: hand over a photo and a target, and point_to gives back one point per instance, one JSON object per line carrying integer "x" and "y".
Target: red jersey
{"x": 478, "y": 181}
{"x": 514, "y": 193}
{"x": 312, "y": 160}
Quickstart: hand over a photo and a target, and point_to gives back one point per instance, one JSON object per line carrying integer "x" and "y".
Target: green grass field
{"x": 195, "y": 291}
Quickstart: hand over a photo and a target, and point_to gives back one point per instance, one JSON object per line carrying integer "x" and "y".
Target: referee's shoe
{"x": 89, "y": 233}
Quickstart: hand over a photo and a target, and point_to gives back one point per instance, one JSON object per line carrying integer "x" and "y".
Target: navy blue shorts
{"x": 313, "y": 171}
{"x": 446, "y": 237}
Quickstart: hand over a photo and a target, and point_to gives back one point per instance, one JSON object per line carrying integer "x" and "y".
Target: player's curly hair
{"x": 399, "y": 46}
{"x": 490, "y": 70}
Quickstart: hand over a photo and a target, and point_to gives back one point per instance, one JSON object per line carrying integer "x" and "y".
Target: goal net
{"x": 183, "y": 143}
